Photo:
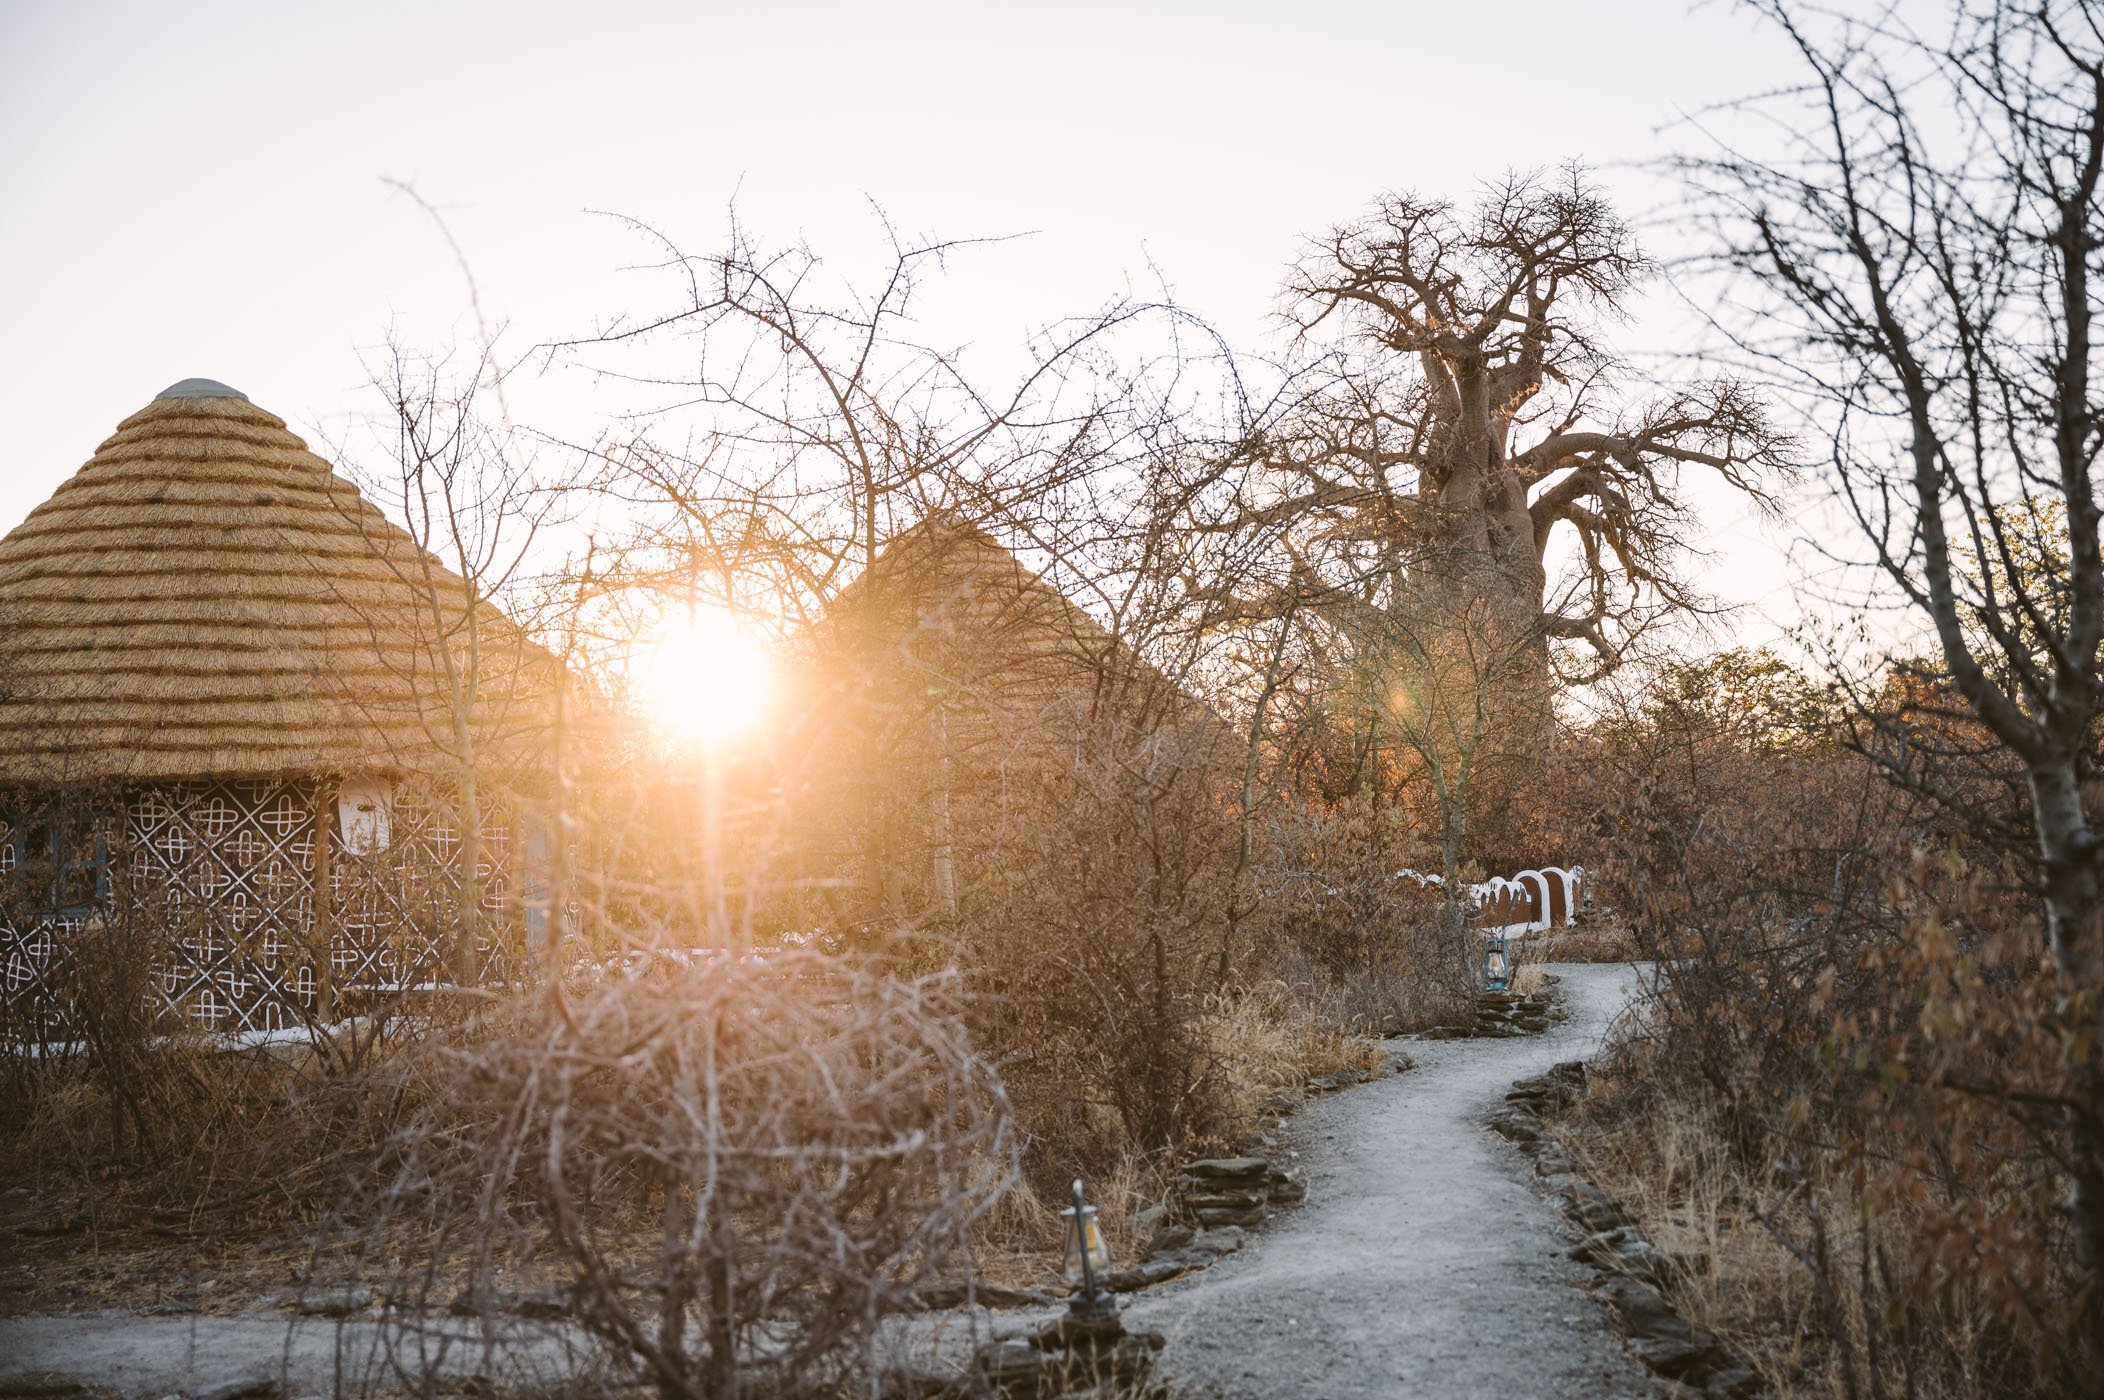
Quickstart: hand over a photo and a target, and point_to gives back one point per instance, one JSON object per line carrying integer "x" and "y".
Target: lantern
{"x": 1497, "y": 964}
{"x": 1087, "y": 1262}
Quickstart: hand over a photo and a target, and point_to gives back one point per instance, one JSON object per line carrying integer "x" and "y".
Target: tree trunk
{"x": 2069, "y": 851}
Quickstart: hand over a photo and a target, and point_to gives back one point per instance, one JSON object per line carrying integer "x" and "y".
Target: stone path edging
{"x": 1630, "y": 1267}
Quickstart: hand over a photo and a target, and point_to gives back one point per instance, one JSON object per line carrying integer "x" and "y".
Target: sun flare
{"x": 700, "y": 677}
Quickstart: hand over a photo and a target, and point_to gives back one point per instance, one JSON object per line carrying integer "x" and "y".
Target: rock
{"x": 1624, "y": 1250}
{"x": 1645, "y": 1313}
{"x": 1515, "y": 1127}
{"x": 1591, "y": 1207}
{"x": 1337, "y": 1079}
{"x": 957, "y": 1293}
{"x": 1402, "y": 1063}
{"x": 1005, "y": 1362}
{"x": 1167, "y": 1236}
{"x": 1550, "y": 1159}
{"x": 1680, "y": 1361}
{"x": 1146, "y": 1223}
{"x": 1213, "y": 1217}
{"x": 1185, "y": 1260}
{"x": 1598, "y": 1249}
{"x": 260, "y": 1386}
{"x": 1286, "y": 1187}
{"x": 1229, "y": 1168}
{"x": 1594, "y": 1215}
{"x": 1152, "y": 1271}
{"x": 1732, "y": 1383}
{"x": 1540, "y": 1094}
{"x": 1224, "y": 1240}
{"x": 341, "y": 1302}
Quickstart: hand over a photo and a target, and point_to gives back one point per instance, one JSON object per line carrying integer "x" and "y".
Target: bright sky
{"x": 196, "y": 189}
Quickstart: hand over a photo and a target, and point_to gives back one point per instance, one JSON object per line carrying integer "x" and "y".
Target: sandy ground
{"x": 1422, "y": 1264}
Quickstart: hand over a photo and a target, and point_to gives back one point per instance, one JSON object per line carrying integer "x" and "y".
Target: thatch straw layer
{"x": 205, "y": 598}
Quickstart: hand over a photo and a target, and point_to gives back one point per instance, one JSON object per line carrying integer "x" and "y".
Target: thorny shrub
{"x": 729, "y": 1170}
{"x": 1848, "y": 1096}
{"x": 1387, "y": 954}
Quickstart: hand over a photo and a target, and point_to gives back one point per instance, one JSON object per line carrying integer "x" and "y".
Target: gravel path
{"x": 1422, "y": 1264}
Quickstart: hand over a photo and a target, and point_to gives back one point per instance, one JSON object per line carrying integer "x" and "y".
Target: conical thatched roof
{"x": 206, "y": 598}
{"x": 962, "y": 616}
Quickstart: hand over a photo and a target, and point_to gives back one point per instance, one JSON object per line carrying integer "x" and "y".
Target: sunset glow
{"x": 701, "y": 677}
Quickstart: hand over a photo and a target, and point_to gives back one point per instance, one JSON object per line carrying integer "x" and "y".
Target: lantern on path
{"x": 1087, "y": 1263}
{"x": 1497, "y": 964}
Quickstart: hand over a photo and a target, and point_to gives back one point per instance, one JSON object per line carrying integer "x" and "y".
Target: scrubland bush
{"x": 1851, "y": 1091}
{"x": 729, "y": 1170}
{"x": 1382, "y": 955}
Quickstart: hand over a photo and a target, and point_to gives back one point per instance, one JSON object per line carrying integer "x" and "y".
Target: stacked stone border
{"x": 1629, "y": 1266}
{"x": 1501, "y": 1014}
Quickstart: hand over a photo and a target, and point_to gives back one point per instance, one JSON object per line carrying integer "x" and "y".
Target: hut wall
{"x": 210, "y": 888}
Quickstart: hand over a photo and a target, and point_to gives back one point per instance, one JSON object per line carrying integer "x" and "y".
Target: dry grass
{"x": 1665, "y": 1161}
{"x": 1530, "y": 979}
{"x": 1670, "y": 1170}
{"x": 1268, "y": 1041}
{"x": 1601, "y": 940}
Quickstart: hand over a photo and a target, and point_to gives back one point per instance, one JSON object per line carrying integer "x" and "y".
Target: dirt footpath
{"x": 1423, "y": 1264}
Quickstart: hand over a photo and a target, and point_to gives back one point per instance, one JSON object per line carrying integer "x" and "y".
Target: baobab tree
{"x": 1459, "y": 415}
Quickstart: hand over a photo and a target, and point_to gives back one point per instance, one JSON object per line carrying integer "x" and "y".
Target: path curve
{"x": 1423, "y": 1263}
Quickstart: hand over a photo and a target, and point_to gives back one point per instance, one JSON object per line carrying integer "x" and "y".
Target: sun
{"x": 700, "y": 677}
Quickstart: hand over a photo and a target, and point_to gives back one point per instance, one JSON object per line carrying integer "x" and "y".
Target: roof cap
{"x": 200, "y": 389}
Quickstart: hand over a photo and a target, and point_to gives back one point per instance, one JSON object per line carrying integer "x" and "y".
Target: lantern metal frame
{"x": 1497, "y": 963}
{"x": 1090, "y": 1303}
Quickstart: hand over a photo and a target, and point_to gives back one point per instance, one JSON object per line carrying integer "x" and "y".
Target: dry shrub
{"x": 1381, "y": 955}
{"x": 1855, "y": 1082}
{"x": 729, "y": 1173}
{"x": 134, "y": 1114}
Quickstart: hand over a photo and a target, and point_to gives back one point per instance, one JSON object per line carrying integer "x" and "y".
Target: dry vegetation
{"x": 1082, "y": 859}
{"x": 1844, "y": 1112}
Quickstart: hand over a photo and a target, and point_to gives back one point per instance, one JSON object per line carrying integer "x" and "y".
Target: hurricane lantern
{"x": 1087, "y": 1262}
{"x": 1497, "y": 964}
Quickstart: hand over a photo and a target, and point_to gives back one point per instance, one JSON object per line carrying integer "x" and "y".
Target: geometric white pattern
{"x": 218, "y": 877}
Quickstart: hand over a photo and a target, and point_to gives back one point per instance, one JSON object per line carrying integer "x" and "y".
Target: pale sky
{"x": 196, "y": 189}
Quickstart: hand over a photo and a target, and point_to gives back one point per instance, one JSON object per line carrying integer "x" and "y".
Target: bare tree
{"x": 818, "y": 426}
{"x": 457, "y": 477}
{"x": 1461, "y": 413}
{"x": 1433, "y": 679}
{"x": 1922, "y": 258}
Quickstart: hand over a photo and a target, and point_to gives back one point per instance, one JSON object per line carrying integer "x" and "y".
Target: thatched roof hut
{"x": 956, "y": 704}
{"x": 247, "y": 720}
{"x": 206, "y": 598}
